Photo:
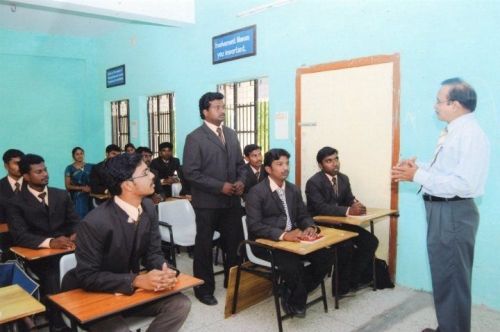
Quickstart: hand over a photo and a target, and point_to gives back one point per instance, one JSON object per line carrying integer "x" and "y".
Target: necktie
{"x": 439, "y": 147}
{"x": 281, "y": 194}
{"x": 221, "y": 137}
{"x": 42, "y": 197}
{"x": 335, "y": 186}
{"x": 257, "y": 175}
{"x": 18, "y": 188}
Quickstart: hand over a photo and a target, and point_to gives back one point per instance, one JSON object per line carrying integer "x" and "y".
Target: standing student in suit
{"x": 167, "y": 167}
{"x": 450, "y": 183}
{"x": 329, "y": 192}
{"x": 117, "y": 237}
{"x": 254, "y": 169}
{"x": 213, "y": 166}
{"x": 42, "y": 217}
{"x": 97, "y": 176}
{"x": 275, "y": 211}
{"x": 12, "y": 183}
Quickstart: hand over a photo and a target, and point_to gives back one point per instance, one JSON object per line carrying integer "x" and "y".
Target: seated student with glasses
{"x": 117, "y": 237}
{"x": 275, "y": 211}
{"x": 42, "y": 217}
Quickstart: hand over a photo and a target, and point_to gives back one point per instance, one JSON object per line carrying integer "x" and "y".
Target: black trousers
{"x": 298, "y": 279}
{"x": 355, "y": 257}
{"x": 227, "y": 222}
{"x": 47, "y": 270}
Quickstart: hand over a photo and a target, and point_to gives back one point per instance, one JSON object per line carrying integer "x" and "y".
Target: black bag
{"x": 382, "y": 274}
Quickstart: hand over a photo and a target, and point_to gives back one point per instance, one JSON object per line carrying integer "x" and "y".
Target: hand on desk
{"x": 357, "y": 209}
{"x": 156, "y": 280}
{"x": 293, "y": 236}
{"x": 62, "y": 242}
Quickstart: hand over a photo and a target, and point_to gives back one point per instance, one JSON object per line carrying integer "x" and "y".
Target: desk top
{"x": 16, "y": 303}
{"x": 330, "y": 236}
{"x": 4, "y": 228}
{"x": 32, "y": 254}
{"x": 371, "y": 214}
{"x": 89, "y": 306}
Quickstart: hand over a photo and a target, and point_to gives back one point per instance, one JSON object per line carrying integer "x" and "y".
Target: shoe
{"x": 430, "y": 330}
{"x": 207, "y": 299}
{"x": 299, "y": 312}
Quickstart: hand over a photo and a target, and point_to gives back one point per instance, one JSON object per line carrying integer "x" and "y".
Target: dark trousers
{"x": 451, "y": 236}
{"x": 170, "y": 313}
{"x": 47, "y": 270}
{"x": 228, "y": 223}
{"x": 300, "y": 280}
{"x": 355, "y": 257}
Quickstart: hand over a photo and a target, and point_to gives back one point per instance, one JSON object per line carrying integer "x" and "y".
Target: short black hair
{"x": 28, "y": 160}
{"x": 205, "y": 100}
{"x": 120, "y": 169}
{"x": 11, "y": 154}
{"x": 274, "y": 154}
{"x": 142, "y": 149}
{"x": 76, "y": 148}
{"x": 325, "y": 152}
{"x": 250, "y": 148}
{"x": 113, "y": 147}
{"x": 166, "y": 145}
{"x": 129, "y": 145}
{"x": 462, "y": 92}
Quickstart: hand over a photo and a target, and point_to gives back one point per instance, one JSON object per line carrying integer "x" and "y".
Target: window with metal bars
{"x": 247, "y": 111}
{"x": 120, "y": 122}
{"x": 160, "y": 121}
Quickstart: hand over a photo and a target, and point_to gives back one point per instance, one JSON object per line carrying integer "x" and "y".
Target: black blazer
{"x": 107, "y": 260}
{"x": 98, "y": 178}
{"x": 6, "y": 193}
{"x": 30, "y": 223}
{"x": 251, "y": 180}
{"x": 207, "y": 164}
{"x": 321, "y": 199}
{"x": 266, "y": 216}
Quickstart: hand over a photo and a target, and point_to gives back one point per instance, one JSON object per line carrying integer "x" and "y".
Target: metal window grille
{"x": 120, "y": 122}
{"x": 247, "y": 111}
{"x": 160, "y": 121}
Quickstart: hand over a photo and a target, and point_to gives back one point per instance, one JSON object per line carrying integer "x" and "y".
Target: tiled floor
{"x": 390, "y": 310}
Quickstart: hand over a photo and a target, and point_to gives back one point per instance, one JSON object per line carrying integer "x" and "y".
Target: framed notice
{"x": 234, "y": 45}
{"x": 115, "y": 76}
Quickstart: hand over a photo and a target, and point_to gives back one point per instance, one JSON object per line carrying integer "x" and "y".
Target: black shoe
{"x": 207, "y": 299}
{"x": 299, "y": 312}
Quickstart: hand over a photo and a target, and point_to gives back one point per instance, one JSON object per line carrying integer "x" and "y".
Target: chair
{"x": 181, "y": 227}
{"x": 135, "y": 323}
{"x": 270, "y": 271}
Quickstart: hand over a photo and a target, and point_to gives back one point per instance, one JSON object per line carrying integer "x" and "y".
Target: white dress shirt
{"x": 13, "y": 181}
{"x": 133, "y": 212}
{"x": 461, "y": 167}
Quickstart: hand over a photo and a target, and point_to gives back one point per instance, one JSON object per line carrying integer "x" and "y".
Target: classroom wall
{"x": 47, "y": 91}
{"x": 435, "y": 39}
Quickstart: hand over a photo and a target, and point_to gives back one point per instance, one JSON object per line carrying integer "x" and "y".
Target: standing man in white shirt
{"x": 450, "y": 182}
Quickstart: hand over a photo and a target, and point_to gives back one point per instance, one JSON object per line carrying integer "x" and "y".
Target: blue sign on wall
{"x": 234, "y": 45}
{"x": 115, "y": 76}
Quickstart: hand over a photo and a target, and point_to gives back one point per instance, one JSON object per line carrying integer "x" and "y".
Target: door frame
{"x": 352, "y": 63}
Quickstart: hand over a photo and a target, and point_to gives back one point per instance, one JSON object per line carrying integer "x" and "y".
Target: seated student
{"x": 271, "y": 216}
{"x": 117, "y": 237}
{"x": 147, "y": 156}
{"x": 329, "y": 192}
{"x": 129, "y": 148}
{"x": 12, "y": 183}
{"x": 97, "y": 177}
{"x": 42, "y": 217}
{"x": 253, "y": 168}
{"x": 167, "y": 167}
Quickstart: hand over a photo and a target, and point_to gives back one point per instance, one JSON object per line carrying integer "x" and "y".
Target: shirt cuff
{"x": 45, "y": 243}
{"x": 421, "y": 177}
{"x": 347, "y": 212}
{"x": 282, "y": 236}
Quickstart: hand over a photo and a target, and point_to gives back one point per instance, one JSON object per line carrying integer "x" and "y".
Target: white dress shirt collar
{"x": 12, "y": 182}
{"x": 274, "y": 186}
{"x": 36, "y": 193}
{"x": 133, "y": 212}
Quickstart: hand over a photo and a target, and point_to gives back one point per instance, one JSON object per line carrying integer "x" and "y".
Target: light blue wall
{"x": 46, "y": 92}
{"x": 435, "y": 39}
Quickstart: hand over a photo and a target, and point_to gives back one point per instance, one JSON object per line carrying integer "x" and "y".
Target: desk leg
{"x": 374, "y": 270}
{"x": 336, "y": 264}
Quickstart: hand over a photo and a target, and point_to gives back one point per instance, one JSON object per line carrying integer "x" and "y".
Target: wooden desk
{"x": 33, "y": 254}
{"x": 16, "y": 303}
{"x": 331, "y": 236}
{"x": 4, "y": 228}
{"x": 84, "y": 307}
{"x": 371, "y": 215}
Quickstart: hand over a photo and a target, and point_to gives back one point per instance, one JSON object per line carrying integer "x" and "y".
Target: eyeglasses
{"x": 146, "y": 172}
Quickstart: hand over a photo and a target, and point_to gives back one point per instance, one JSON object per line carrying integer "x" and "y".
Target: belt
{"x": 430, "y": 198}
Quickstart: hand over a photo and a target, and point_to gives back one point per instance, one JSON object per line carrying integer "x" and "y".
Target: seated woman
{"x": 77, "y": 180}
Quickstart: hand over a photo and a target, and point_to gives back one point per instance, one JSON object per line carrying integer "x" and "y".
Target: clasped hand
{"x": 405, "y": 170}
{"x": 296, "y": 235}
{"x": 231, "y": 189}
{"x": 156, "y": 280}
